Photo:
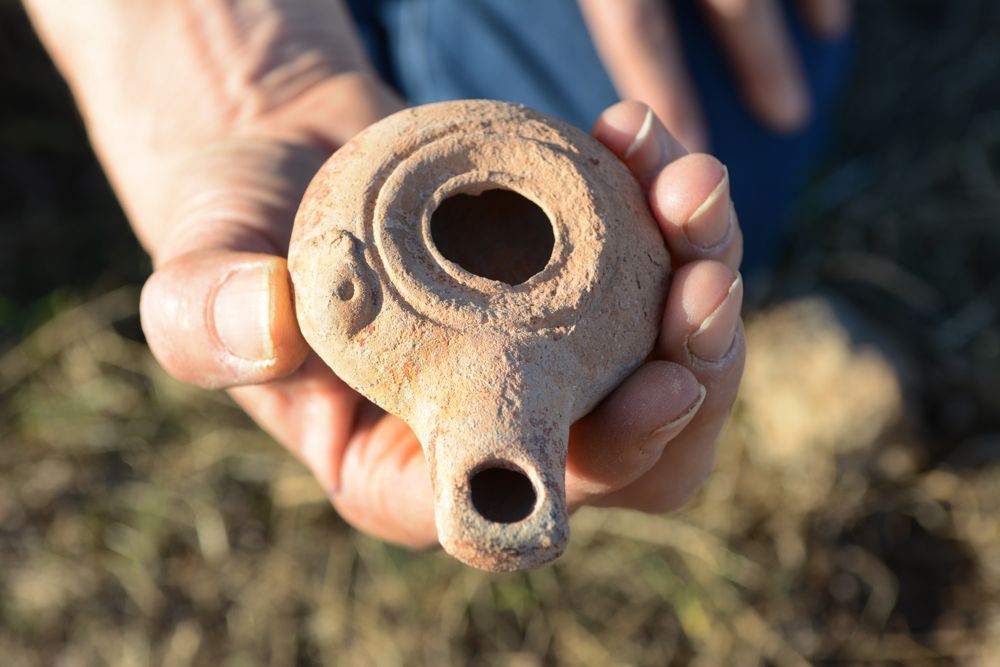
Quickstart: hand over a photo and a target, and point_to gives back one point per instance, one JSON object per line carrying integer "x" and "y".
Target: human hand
{"x": 647, "y": 446}
{"x": 640, "y": 47}
{"x": 211, "y": 183}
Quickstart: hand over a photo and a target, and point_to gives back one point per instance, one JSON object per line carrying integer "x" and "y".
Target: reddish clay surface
{"x": 488, "y": 273}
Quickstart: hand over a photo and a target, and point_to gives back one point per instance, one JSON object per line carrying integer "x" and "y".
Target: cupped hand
{"x": 647, "y": 446}
{"x": 639, "y": 44}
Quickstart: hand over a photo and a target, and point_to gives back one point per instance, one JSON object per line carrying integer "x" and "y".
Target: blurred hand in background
{"x": 638, "y": 43}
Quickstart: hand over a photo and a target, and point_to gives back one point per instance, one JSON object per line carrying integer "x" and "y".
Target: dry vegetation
{"x": 854, "y": 518}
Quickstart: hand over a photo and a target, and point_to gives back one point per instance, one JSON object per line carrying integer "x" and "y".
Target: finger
{"x": 690, "y": 200}
{"x": 369, "y": 463}
{"x": 760, "y": 51}
{"x": 828, "y": 19}
{"x": 217, "y": 311}
{"x": 311, "y": 413}
{"x": 386, "y": 489}
{"x": 624, "y": 436}
{"x": 703, "y": 304}
{"x": 220, "y": 318}
{"x": 702, "y": 330}
{"x": 701, "y": 321}
{"x": 638, "y": 43}
{"x": 632, "y": 131}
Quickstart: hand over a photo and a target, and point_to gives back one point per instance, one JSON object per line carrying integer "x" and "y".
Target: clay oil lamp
{"x": 489, "y": 274}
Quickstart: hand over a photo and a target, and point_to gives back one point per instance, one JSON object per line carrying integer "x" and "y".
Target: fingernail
{"x": 715, "y": 336}
{"x": 708, "y": 227}
{"x": 682, "y": 421}
{"x": 242, "y": 313}
{"x": 648, "y": 152}
{"x": 642, "y": 136}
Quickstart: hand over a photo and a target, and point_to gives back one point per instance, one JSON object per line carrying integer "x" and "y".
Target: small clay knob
{"x": 352, "y": 289}
{"x": 488, "y": 273}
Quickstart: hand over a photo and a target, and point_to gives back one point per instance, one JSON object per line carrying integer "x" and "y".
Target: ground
{"x": 854, "y": 517}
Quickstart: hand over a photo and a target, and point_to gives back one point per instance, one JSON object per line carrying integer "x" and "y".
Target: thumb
{"x": 218, "y": 312}
{"x": 217, "y": 318}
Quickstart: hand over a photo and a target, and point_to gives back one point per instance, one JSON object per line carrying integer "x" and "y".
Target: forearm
{"x": 158, "y": 82}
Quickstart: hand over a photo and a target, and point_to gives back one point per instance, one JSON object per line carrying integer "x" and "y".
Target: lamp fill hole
{"x": 497, "y": 234}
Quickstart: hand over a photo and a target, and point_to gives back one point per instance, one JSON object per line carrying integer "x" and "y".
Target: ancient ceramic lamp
{"x": 488, "y": 273}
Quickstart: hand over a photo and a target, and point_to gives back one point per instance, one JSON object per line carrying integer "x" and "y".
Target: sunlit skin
{"x": 211, "y": 117}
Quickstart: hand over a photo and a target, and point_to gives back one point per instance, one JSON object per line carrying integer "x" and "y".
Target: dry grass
{"x": 144, "y": 522}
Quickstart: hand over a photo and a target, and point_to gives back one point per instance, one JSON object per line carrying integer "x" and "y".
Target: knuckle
{"x": 666, "y": 499}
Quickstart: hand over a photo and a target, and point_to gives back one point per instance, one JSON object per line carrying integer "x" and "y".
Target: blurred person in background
{"x": 210, "y": 118}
